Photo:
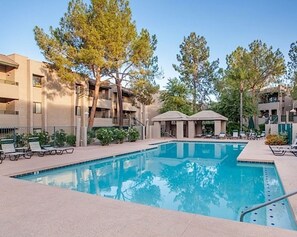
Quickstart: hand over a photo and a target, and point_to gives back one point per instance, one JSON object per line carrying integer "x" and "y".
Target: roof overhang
{"x": 6, "y": 61}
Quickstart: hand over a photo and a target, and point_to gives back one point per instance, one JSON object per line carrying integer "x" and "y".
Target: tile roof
{"x": 5, "y": 60}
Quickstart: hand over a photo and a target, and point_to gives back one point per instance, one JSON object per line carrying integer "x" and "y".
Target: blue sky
{"x": 225, "y": 25}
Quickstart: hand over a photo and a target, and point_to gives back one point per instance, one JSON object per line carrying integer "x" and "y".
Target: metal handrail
{"x": 138, "y": 122}
{"x": 265, "y": 204}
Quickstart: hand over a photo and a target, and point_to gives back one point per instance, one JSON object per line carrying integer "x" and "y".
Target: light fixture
{"x": 293, "y": 110}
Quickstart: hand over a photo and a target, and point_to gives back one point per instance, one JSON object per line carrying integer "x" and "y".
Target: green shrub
{"x": 91, "y": 134}
{"x": 43, "y": 137}
{"x": 275, "y": 140}
{"x": 232, "y": 126}
{"x": 20, "y": 139}
{"x": 285, "y": 137}
{"x": 119, "y": 135}
{"x": 133, "y": 134}
{"x": 104, "y": 135}
{"x": 71, "y": 139}
{"x": 262, "y": 127}
{"x": 59, "y": 138}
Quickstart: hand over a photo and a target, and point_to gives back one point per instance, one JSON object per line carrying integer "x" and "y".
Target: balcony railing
{"x": 126, "y": 121}
{"x": 268, "y": 101}
{"x": 273, "y": 119}
{"x": 2, "y": 81}
{"x": 283, "y": 118}
{"x": 9, "y": 112}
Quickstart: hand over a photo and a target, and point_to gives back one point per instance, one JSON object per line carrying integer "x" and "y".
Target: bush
{"x": 119, "y": 135}
{"x": 275, "y": 140}
{"x": 133, "y": 134}
{"x": 232, "y": 126}
{"x": 104, "y": 135}
{"x": 262, "y": 127}
{"x": 43, "y": 137}
{"x": 59, "y": 138}
{"x": 91, "y": 134}
{"x": 20, "y": 139}
{"x": 71, "y": 139}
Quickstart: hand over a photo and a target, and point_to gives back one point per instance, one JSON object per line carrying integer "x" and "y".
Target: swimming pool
{"x": 196, "y": 177}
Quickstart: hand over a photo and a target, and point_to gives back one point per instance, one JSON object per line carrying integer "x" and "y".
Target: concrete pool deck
{"x": 31, "y": 209}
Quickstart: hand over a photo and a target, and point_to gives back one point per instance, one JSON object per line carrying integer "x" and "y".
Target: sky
{"x": 225, "y": 25}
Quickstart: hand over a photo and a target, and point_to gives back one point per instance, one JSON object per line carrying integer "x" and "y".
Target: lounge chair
{"x": 35, "y": 148}
{"x": 282, "y": 150}
{"x": 10, "y": 151}
{"x": 222, "y": 135}
{"x": 209, "y": 135}
{"x": 242, "y": 135}
{"x": 235, "y": 134}
{"x": 1, "y": 157}
{"x": 41, "y": 151}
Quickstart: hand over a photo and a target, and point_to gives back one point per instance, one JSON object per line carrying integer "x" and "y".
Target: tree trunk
{"x": 120, "y": 102}
{"x": 255, "y": 102}
{"x": 241, "y": 107}
{"x": 195, "y": 79}
{"x": 194, "y": 100}
{"x": 95, "y": 101}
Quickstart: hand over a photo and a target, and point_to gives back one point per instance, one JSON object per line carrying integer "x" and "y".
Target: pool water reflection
{"x": 200, "y": 178}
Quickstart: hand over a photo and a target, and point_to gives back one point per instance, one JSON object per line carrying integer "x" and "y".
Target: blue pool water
{"x": 199, "y": 178}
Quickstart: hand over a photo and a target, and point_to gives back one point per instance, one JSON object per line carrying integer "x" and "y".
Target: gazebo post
{"x": 217, "y": 127}
{"x": 191, "y": 129}
{"x": 179, "y": 129}
{"x": 157, "y": 130}
{"x": 224, "y": 126}
{"x": 198, "y": 128}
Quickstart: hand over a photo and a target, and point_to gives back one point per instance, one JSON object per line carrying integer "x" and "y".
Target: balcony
{"x": 126, "y": 121}
{"x": 269, "y": 106}
{"x": 129, "y": 107}
{"x": 9, "y": 118}
{"x": 9, "y": 89}
{"x": 103, "y": 122}
{"x": 102, "y": 103}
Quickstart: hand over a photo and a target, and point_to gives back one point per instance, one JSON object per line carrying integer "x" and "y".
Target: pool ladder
{"x": 265, "y": 204}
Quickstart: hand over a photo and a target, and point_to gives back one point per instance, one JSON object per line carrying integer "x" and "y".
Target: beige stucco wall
{"x": 57, "y": 101}
{"x": 21, "y": 76}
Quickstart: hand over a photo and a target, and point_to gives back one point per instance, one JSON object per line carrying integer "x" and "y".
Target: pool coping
{"x": 188, "y": 221}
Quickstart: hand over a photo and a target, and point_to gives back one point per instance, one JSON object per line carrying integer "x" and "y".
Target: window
{"x": 36, "y": 108}
{"x": 78, "y": 111}
{"x": 78, "y": 89}
{"x": 37, "y": 80}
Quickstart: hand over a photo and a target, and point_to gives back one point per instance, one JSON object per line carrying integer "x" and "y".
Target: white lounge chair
{"x": 10, "y": 151}
{"x": 222, "y": 135}
{"x": 41, "y": 151}
{"x": 235, "y": 134}
{"x": 282, "y": 150}
{"x": 242, "y": 135}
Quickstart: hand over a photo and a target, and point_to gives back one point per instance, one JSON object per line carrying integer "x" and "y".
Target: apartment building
{"x": 275, "y": 104}
{"x": 32, "y": 96}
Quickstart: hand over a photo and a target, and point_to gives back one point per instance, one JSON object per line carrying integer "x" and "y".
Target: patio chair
{"x": 10, "y": 151}
{"x": 235, "y": 134}
{"x": 222, "y": 135}
{"x": 41, "y": 151}
{"x": 35, "y": 148}
{"x": 282, "y": 150}
{"x": 1, "y": 157}
{"x": 242, "y": 135}
{"x": 209, "y": 135}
